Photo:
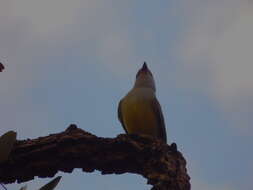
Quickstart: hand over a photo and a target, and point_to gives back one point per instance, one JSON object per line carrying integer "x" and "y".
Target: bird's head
{"x": 144, "y": 78}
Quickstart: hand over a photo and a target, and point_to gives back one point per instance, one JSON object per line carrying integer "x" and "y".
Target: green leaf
{"x": 6, "y": 143}
{"x": 52, "y": 184}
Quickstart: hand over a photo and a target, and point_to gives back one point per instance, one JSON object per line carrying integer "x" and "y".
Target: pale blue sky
{"x": 72, "y": 61}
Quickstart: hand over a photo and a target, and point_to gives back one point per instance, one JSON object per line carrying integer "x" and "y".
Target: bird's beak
{"x": 144, "y": 67}
{"x": 144, "y": 70}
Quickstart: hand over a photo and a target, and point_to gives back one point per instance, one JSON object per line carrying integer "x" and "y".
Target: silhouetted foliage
{"x": 1, "y": 67}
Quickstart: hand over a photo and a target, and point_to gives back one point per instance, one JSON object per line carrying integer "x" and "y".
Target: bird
{"x": 139, "y": 112}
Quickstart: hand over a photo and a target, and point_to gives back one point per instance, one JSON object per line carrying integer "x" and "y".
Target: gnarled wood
{"x": 162, "y": 165}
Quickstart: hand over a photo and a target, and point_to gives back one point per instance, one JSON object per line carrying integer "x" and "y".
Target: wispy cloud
{"x": 37, "y": 38}
{"x": 30, "y": 29}
{"x": 218, "y": 43}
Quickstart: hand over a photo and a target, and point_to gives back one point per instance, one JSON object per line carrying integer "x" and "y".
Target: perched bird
{"x": 139, "y": 111}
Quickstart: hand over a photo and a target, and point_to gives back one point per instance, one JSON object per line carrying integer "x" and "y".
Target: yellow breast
{"x": 138, "y": 115}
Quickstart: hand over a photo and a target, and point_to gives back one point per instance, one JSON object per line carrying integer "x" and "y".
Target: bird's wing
{"x": 120, "y": 117}
{"x": 160, "y": 120}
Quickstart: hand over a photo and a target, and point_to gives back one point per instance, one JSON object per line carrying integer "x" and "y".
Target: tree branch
{"x": 162, "y": 165}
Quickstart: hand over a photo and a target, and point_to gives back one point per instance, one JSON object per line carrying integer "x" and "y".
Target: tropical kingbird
{"x": 139, "y": 111}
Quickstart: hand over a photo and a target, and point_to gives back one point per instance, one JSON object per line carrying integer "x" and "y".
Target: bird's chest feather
{"x": 139, "y": 117}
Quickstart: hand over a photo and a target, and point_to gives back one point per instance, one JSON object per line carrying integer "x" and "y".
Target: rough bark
{"x": 162, "y": 165}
